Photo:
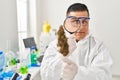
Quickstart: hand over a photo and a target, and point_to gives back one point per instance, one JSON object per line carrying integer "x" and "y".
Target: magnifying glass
{"x": 73, "y": 24}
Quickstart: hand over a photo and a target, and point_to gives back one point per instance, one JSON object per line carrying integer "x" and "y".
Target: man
{"x": 85, "y": 58}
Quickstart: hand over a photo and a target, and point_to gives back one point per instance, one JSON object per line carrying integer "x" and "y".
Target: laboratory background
{"x": 27, "y": 19}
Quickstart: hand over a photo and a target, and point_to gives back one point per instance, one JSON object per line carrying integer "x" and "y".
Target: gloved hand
{"x": 71, "y": 41}
{"x": 72, "y": 44}
{"x": 69, "y": 69}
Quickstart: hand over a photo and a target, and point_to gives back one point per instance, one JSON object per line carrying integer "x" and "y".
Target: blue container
{"x": 2, "y": 62}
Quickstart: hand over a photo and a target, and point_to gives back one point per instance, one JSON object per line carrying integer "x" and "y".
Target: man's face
{"x": 83, "y": 31}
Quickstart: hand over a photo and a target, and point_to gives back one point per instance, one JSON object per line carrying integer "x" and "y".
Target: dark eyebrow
{"x": 72, "y": 17}
{"x": 83, "y": 18}
{"x": 78, "y": 17}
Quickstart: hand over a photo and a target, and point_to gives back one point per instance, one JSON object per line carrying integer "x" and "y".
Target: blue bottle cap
{"x": 1, "y": 52}
{"x": 33, "y": 47}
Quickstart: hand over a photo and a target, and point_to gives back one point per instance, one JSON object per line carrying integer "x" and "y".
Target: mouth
{"x": 80, "y": 32}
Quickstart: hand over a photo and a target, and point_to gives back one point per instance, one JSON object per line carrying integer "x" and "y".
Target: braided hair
{"x": 62, "y": 41}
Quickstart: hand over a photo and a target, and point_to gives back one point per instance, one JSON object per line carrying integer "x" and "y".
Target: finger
{"x": 68, "y": 61}
{"x": 68, "y": 67}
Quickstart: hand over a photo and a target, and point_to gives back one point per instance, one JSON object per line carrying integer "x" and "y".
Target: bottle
{"x": 33, "y": 55}
{"x": 28, "y": 77}
{"x": 46, "y": 27}
{"x": 10, "y": 55}
{"x": 25, "y": 61}
{"x": 15, "y": 76}
{"x": 28, "y": 60}
{"x": 10, "y": 60}
{"x": 2, "y": 62}
{"x": 23, "y": 67}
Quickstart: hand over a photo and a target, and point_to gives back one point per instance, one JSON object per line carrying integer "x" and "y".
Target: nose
{"x": 81, "y": 26}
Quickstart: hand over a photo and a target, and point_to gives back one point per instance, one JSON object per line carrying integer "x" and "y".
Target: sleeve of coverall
{"x": 51, "y": 64}
{"x": 99, "y": 68}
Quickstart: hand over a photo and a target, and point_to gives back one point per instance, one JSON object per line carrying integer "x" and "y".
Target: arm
{"x": 98, "y": 69}
{"x": 51, "y": 64}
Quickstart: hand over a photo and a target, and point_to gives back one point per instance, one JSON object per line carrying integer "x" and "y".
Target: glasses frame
{"x": 77, "y": 18}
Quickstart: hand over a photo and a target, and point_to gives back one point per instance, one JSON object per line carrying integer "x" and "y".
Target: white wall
{"x": 105, "y": 19}
{"x": 8, "y": 25}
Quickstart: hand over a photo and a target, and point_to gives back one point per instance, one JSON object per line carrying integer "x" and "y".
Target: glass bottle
{"x": 33, "y": 55}
{"x": 2, "y": 62}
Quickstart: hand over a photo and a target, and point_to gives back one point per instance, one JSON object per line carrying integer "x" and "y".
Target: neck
{"x": 77, "y": 40}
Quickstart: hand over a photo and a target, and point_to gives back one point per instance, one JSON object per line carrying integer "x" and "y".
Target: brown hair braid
{"x": 62, "y": 42}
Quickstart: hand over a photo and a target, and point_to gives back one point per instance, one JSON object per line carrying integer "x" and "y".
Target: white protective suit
{"x": 91, "y": 56}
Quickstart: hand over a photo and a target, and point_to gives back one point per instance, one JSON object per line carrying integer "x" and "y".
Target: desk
{"x": 35, "y": 73}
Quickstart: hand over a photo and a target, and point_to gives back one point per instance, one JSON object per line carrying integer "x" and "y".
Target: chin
{"x": 79, "y": 37}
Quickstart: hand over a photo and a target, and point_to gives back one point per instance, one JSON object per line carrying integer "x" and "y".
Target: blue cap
{"x": 1, "y": 52}
{"x": 33, "y": 47}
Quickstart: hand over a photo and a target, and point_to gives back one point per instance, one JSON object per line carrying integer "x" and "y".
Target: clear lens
{"x": 72, "y": 24}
